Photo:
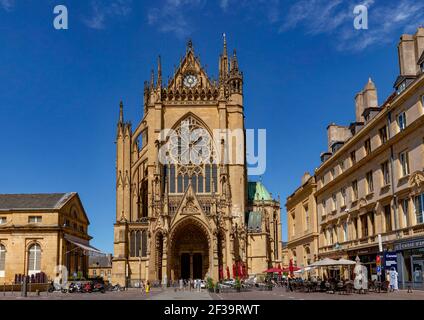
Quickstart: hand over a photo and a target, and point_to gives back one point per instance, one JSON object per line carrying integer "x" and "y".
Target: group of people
{"x": 189, "y": 284}
{"x": 145, "y": 287}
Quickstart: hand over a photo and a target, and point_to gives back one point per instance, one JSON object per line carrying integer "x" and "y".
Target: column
{"x": 359, "y": 226}
{"x": 191, "y": 265}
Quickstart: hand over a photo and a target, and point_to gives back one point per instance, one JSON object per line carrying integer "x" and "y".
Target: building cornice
{"x": 388, "y": 106}
{"x": 382, "y": 148}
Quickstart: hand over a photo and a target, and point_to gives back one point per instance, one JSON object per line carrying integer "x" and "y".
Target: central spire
{"x": 223, "y": 63}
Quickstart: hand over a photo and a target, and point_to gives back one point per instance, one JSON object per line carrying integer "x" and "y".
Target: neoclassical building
{"x": 370, "y": 183}
{"x": 183, "y": 208}
{"x": 302, "y": 223}
{"x": 42, "y": 234}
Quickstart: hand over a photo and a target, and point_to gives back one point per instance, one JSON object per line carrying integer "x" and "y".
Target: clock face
{"x": 190, "y": 81}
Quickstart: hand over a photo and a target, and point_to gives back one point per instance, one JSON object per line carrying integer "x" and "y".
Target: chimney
{"x": 337, "y": 136}
{"x": 419, "y": 43}
{"x": 359, "y": 107}
{"x": 305, "y": 177}
{"x": 369, "y": 95}
{"x": 407, "y": 58}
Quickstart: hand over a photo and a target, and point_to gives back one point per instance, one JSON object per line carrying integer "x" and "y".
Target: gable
{"x": 75, "y": 210}
{"x": 190, "y": 65}
{"x": 189, "y": 207}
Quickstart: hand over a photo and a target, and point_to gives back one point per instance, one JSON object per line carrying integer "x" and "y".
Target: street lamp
{"x": 139, "y": 277}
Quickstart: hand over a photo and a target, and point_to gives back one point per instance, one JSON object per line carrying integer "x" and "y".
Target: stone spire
{"x": 234, "y": 62}
{"x": 223, "y": 61}
{"x": 159, "y": 82}
{"x": 121, "y": 112}
{"x": 152, "y": 80}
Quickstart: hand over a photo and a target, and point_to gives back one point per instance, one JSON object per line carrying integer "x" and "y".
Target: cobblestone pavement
{"x": 131, "y": 294}
{"x": 281, "y": 294}
{"x": 171, "y": 294}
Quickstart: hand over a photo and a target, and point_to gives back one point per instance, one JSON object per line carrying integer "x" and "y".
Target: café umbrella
{"x": 274, "y": 270}
{"x": 240, "y": 270}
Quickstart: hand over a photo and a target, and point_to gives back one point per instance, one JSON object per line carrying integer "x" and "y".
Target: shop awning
{"x": 84, "y": 246}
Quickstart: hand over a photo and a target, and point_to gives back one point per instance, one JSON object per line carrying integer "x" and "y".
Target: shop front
{"x": 410, "y": 254}
{"x": 368, "y": 257}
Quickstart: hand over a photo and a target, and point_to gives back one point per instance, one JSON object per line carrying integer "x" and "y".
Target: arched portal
{"x": 190, "y": 250}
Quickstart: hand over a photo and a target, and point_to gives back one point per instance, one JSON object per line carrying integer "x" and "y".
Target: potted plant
{"x": 238, "y": 284}
{"x": 217, "y": 287}
{"x": 210, "y": 285}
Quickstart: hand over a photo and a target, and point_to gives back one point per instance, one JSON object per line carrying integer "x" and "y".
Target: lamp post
{"x": 139, "y": 277}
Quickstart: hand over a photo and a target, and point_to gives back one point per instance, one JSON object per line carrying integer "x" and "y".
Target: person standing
{"x": 147, "y": 288}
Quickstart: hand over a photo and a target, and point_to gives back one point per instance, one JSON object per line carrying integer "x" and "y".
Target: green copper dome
{"x": 257, "y": 192}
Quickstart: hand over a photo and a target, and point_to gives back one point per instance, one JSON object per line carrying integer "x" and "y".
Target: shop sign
{"x": 409, "y": 245}
{"x": 390, "y": 260}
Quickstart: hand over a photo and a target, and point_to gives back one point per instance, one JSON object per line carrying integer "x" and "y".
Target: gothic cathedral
{"x": 190, "y": 219}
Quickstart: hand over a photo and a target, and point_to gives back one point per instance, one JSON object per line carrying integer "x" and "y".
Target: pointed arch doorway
{"x": 190, "y": 251}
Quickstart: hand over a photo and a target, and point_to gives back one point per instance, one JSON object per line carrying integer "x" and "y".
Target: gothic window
{"x": 144, "y": 243}
{"x": 191, "y": 154}
{"x": 138, "y": 243}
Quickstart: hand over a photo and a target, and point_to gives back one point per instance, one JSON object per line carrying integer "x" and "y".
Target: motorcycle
{"x": 55, "y": 287}
{"x": 87, "y": 288}
{"x": 99, "y": 287}
{"x": 73, "y": 288}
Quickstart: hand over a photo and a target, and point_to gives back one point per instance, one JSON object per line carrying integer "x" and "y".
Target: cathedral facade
{"x": 184, "y": 206}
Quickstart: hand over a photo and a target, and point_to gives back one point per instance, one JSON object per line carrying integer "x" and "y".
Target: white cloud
{"x": 335, "y": 17}
{"x": 7, "y": 4}
{"x": 172, "y": 16}
{"x": 224, "y": 4}
{"x": 105, "y": 10}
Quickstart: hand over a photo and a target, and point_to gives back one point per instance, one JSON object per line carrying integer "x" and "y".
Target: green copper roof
{"x": 257, "y": 192}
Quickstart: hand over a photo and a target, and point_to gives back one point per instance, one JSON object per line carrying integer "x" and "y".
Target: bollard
{"x": 24, "y": 288}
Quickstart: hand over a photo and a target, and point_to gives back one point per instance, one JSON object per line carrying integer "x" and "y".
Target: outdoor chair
{"x": 340, "y": 287}
{"x": 385, "y": 285}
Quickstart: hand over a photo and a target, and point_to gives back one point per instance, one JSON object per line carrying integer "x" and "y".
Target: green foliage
{"x": 210, "y": 283}
{"x": 238, "y": 283}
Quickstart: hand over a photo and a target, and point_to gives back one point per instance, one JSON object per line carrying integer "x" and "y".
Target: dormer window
{"x": 401, "y": 87}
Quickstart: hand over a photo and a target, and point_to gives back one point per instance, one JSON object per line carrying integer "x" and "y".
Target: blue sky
{"x": 303, "y": 62}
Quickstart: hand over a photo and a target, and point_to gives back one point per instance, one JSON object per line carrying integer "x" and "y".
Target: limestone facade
{"x": 39, "y": 233}
{"x": 184, "y": 219}
{"x": 302, "y": 224}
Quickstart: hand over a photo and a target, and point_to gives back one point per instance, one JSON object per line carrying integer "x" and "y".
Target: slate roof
{"x": 103, "y": 261}
{"x": 33, "y": 201}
